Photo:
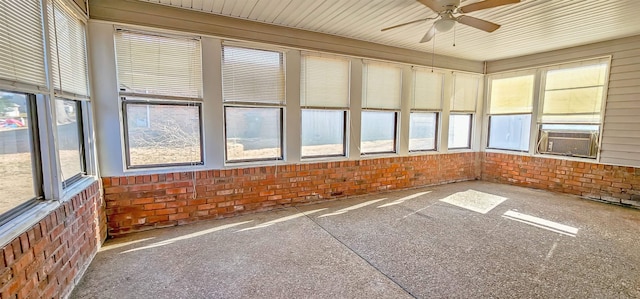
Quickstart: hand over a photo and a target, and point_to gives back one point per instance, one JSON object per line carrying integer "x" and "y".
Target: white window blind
{"x": 324, "y": 81}
{"x": 22, "y": 46}
{"x": 465, "y": 92}
{"x": 427, "y": 89}
{"x": 158, "y": 65}
{"x": 252, "y": 75}
{"x": 574, "y": 93}
{"x": 382, "y": 86}
{"x": 511, "y": 94}
{"x": 68, "y": 51}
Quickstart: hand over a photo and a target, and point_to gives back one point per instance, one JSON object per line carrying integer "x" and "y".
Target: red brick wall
{"x": 136, "y": 203}
{"x": 610, "y": 183}
{"x": 46, "y": 260}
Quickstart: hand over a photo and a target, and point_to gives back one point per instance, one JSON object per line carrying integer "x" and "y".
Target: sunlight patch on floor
{"x": 351, "y": 208}
{"x": 541, "y": 223}
{"x": 474, "y": 200}
{"x": 401, "y": 200}
{"x": 283, "y": 219}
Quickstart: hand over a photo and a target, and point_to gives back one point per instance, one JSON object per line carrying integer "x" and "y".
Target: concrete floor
{"x": 403, "y": 244}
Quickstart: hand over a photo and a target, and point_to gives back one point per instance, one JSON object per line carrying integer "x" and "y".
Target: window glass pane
{"x": 163, "y": 133}
{"x": 322, "y": 133}
{"x": 427, "y": 89}
{"x": 16, "y": 154}
{"x": 70, "y": 145}
{"x": 252, "y": 75}
{"x": 324, "y": 81}
{"x": 378, "y": 132}
{"x": 382, "y": 86}
{"x": 512, "y": 95}
{"x": 459, "y": 131}
{"x": 510, "y": 132}
{"x": 253, "y": 133}
{"x": 422, "y": 131}
{"x": 465, "y": 92}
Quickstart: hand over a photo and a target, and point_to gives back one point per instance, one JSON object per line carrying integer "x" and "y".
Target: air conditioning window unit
{"x": 569, "y": 143}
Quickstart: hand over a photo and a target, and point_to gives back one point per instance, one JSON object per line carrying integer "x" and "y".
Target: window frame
{"x": 345, "y": 138}
{"x": 254, "y": 104}
{"x": 539, "y": 123}
{"x": 396, "y": 118}
{"x": 282, "y": 137}
{"x": 470, "y": 135}
{"x": 532, "y": 113}
{"x": 160, "y": 102}
{"x": 436, "y": 138}
{"x": 81, "y": 139}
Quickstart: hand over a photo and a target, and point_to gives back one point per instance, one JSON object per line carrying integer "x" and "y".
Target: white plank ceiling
{"x": 531, "y": 26}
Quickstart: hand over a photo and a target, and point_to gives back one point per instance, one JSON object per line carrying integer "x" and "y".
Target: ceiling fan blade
{"x": 478, "y": 23}
{"x": 485, "y": 4}
{"x": 407, "y": 23}
{"x": 429, "y": 35}
{"x": 432, "y": 4}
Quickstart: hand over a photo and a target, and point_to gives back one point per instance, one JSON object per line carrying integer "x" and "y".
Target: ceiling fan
{"x": 447, "y": 11}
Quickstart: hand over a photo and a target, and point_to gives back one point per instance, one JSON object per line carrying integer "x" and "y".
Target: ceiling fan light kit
{"x": 446, "y": 19}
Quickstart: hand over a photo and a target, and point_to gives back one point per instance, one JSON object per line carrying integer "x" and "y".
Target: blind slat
{"x": 252, "y": 75}
{"x": 68, "y": 51}
{"x": 382, "y": 86}
{"x": 465, "y": 92}
{"x": 23, "y": 50}
{"x": 512, "y": 95}
{"x": 324, "y": 81}
{"x": 427, "y": 89}
{"x": 159, "y": 65}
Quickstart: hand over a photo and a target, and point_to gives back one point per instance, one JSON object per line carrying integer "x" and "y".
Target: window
{"x": 71, "y": 87}
{"x": 162, "y": 133}
{"x": 160, "y": 78}
{"x": 466, "y": 89}
{"x": 382, "y": 92}
{"x": 253, "y": 94}
{"x": 425, "y": 108}
{"x": 460, "y": 131}
{"x": 70, "y": 140}
{"x": 572, "y": 108}
{"x": 510, "y": 107}
{"x": 324, "y": 98}
{"x": 19, "y": 162}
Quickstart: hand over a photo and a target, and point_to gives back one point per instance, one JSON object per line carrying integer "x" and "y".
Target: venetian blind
{"x": 68, "y": 51}
{"x": 324, "y": 81}
{"x": 382, "y": 86}
{"x": 574, "y": 93}
{"x": 511, "y": 94}
{"x": 252, "y": 75}
{"x": 427, "y": 89}
{"x": 158, "y": 65}
{"x": 22, "y": 47}
{"x": 465, "y": 92}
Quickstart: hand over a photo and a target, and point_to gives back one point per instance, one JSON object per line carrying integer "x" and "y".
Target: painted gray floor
{"x": 394, "y": 245}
